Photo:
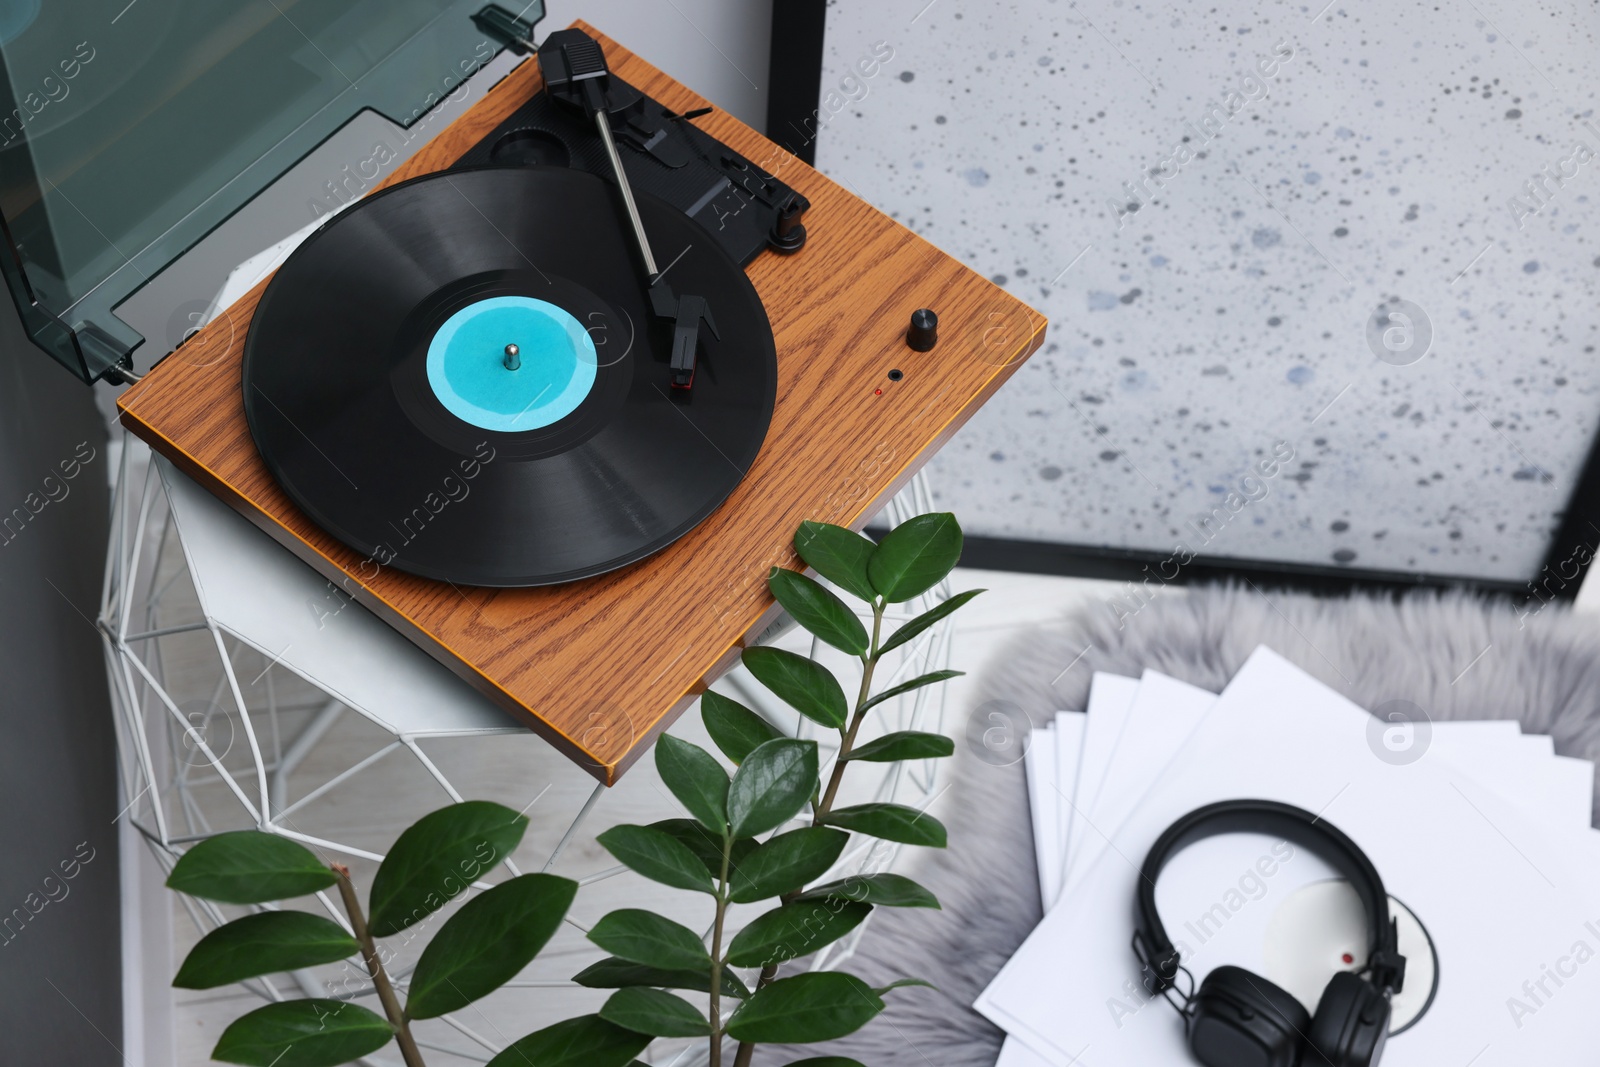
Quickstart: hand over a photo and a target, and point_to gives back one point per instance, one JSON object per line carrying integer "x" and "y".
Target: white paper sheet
{"x": 1108, "y": 694}
{"x": 1039, "y": 762}
{"x": 1499, "y": 912}
{"x": 1121, "y": 782}
{"x": 1522, "y": 768}
{"x": 1574, "y": 784}
{"x": 1070, "y": 727}
{"x": 1163, "y": 714}
{"x": 1111, "y": 698}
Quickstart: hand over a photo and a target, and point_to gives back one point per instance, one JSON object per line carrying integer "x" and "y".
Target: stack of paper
{"x": 1480, "y": 832}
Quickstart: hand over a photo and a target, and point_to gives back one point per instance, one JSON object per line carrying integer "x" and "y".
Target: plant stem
{"x": 380, "y": 980}
{"x": 716, "y": 952}
{"x": 869, "y": 664}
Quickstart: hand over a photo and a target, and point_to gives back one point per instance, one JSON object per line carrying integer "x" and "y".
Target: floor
{"x": 523, "y": 772}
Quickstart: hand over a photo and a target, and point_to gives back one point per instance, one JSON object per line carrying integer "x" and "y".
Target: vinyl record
{"x": 378, "y": 391}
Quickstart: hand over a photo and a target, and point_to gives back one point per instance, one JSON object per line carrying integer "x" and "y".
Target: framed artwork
{"x": 1324, "y": 285}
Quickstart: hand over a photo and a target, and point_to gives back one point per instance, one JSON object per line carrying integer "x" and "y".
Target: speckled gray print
{"x": 1365, "y": 232}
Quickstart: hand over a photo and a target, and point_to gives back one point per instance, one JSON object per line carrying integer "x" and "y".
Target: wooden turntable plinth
{"x": 600, "y": 667}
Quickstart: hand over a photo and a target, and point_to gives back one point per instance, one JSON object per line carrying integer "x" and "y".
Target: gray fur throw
{"x": 1454, "y": 655}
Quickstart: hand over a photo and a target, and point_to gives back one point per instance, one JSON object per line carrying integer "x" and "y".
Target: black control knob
{"x": 923, "y": 333}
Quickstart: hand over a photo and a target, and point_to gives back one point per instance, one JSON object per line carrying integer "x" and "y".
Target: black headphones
{"x": 1238, "y": 1019}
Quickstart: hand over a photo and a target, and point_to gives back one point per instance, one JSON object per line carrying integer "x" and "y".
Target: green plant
{"x": 478, "y": 949}
{"x": 719, "y": 851}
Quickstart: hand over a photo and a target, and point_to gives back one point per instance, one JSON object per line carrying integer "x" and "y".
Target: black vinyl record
{"x": 377, "y": 393}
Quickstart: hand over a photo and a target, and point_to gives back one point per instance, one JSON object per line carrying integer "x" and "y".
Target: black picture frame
{"x": 799, "y": 34}
{"x": 794, "y": 78}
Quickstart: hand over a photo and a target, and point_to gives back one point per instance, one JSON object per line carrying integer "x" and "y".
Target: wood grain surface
{"x": 600, "y": 667}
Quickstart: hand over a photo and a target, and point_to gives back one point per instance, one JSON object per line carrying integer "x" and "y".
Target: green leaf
{"x": 903, "y": 984}
{"x": 819, "y": 1006}
{"x": 653, "y": 1012}
{"x": 657, "y": 856}
{"x": 734, "y": 728}
{"x": 786, "y": 863}
{"x": 892, "y": 822}
{"x": 819, "y": 611}
{"x": 906, "y": 744}
{"x": 488, "y": 942}
{"x": 707, "y": 848}
{"x": 651, "y": 939}
{"x": 928, "y": 618}
{"x": 885, "y": 890}
{"x": 249, "y": 867}
{"x": 696, "y": 779}
{"x": 263, "y": 944}
{"x": 915, "y": 683}
{"x": 436, "y": 858}
{"x": 613, "y": 973}
{"x": 807, "y": 686}
{"x": 915, "y": 556}
{"x": 587, "y": 1041}
{"x": 795, "y": 930}
{"x": 772, "y": 785}
{"x": 839, "y": 555}
{"x": 303, "y": 1033}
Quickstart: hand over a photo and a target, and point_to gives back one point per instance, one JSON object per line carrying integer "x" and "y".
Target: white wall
{"x": 718, "y": 48}
{"x": 58, "y": 778}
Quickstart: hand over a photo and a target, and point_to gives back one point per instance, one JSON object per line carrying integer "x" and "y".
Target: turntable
{"x": 554, "y": 397}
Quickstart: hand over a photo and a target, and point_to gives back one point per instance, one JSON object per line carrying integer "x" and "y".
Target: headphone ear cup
{"x": 1351, "y": 1025}
{"x": 1242, "y": 1020}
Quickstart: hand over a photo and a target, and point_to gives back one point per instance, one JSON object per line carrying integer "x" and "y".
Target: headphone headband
{"x": 1387, "y": 966}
